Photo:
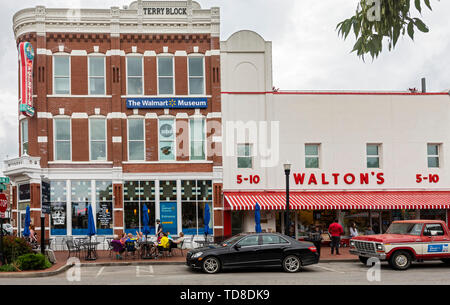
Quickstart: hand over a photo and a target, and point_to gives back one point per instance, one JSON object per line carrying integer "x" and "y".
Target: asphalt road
{"x": 429, "y": 273}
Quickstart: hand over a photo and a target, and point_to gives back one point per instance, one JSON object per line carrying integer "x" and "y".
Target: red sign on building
{"x": 26, "y": 57}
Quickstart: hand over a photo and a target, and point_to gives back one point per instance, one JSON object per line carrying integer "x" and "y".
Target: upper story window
{"x": 167, "y": 140}
{"x": 24, "y": 136}
{"x": 61, "y": 75}
{"x": 62, "y": 140}
{"x": 97, "y": 135}
{"x": 433, "y": 152}
{"x": 165, "y": 75}
{"x": 196, "y": 76}
{"x": 136, "y": 140}
{"x": 244, "y": 156}
{"x": 97, "y": 76}
{"x": 312, "y": 159}
{"x": 135, "y": 76}
{"x": 373, "y": 155}
{"x": 197, "y": 129}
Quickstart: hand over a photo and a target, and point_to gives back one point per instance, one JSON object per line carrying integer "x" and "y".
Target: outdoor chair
{"x": 130, "y": 247}
{"x": 117, "y": 248}
{"x": 72, "y": 247}
{"x": 179, "y": 247}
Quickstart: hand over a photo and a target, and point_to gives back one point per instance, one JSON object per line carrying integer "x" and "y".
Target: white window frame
{"x": 164, "y": 55}
{"x": 319, "y": 149}
{"x": 189, "y": 76}
{"x": 22, "y": 142}
{"x": 70, "y": 73}
{"x": 204, "y": 139}
{"x": 379, "y": 146}
{"x": 128, "y": 138}
{"x": 142, "y": 76}
{"x": 105, "y": 140}
{"x": 439, "y": 150}
{"x": 174, "y": 138}
{"x": 249, "y": 156}
{"x": 55, "y": 140}
{"x": 96, "y": 77}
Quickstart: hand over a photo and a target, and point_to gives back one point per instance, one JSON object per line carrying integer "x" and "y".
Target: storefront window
{"x": 136, "y": 195}
{"x": 58, "y": 208}
{"x": 168, "y": 190}
{"x": 24, "y": 192}
{"x": 195, "y": 196}
{"x": 104, "y": 207}
{"x": 81, "y": 198}
{"x": 166, "y": 140}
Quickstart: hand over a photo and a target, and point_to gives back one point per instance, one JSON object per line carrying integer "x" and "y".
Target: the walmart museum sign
{"x": 167, "y": 103}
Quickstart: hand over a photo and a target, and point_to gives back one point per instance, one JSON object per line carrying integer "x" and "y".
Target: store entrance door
{"x": 168, "y": 214}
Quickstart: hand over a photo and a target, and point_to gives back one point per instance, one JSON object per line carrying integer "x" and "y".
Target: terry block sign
{"x": 26, "y": 58}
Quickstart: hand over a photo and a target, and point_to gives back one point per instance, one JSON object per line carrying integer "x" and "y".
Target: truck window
{"x": 434, "y": 229}
{"x": 405, "y": 229}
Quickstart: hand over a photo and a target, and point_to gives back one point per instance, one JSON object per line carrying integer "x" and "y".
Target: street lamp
{"x": 287, "y": 172}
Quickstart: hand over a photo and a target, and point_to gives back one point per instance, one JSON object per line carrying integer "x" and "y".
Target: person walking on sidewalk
{"x": 335, "y": 230}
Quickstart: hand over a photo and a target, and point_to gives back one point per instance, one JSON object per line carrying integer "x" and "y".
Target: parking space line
{"x": 100, "y": 272}
{"x": 328, "y": 269}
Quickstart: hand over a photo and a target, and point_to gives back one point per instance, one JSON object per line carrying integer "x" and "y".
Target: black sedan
{"x": 254, "y": 250}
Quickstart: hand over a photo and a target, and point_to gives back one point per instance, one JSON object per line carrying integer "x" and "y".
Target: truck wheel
{"x": 446, "y": 261}
{"x": 363, "y": 260}
{"x": 400, "y": 260}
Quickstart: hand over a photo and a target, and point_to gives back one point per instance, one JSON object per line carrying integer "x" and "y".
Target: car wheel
{"x": 400, "y": 260}
{"x": 446, "y": 261}
{"x": 291, "y": 264}
{"x": 211, "y": 265}
{"x": 363, "y": 260}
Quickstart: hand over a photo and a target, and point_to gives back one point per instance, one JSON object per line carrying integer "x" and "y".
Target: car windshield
{"x": 231, "y": 241}
{"x": 405, "y": 228}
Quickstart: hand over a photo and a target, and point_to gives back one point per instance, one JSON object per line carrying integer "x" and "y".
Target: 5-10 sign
{"x": 252, "y": 179}
{"x": 431, "y": 178}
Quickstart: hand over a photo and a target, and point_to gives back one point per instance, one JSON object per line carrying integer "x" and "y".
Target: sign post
{"x": 3, "y": 207}
{"x": 45, "y": 209}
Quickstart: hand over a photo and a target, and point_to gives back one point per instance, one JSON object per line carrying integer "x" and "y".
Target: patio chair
{"x": 130, "y": 247}
{"x": 72, "y": 247}
{"x": 179, "y": 247}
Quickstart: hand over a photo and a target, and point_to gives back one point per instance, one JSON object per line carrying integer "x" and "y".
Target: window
{"x": 195, "y": 195}
{"x": 244, "y": 156}
{"x": 104, "y": 207}
{"x": 273, "y": 239}
{"x": 24, "y": 192}
{"x": 134, "y": 76}
{"x": 196, "y": 76}
{"x": 197, "y": 129}
{"x": 434, "y": 230}
{"x": 433, "y": 155}
{"x": 165, "y": 75}
{"x": 167, "y": 140}
{"x": 24, "y": 136}
{"x": 249, "y": 241}
{"x": 58, "y": 207}
{"x": 62, "y": 140}
{"x": 97, "y": 76}
{"x": 373, "y": 155}
{"x": 97, "y": 132}
{"x": 136, "y": 142}
{"x": 312, "y": 156}
{"x": 61, "y": 75}
{"x": 81, "y": 198}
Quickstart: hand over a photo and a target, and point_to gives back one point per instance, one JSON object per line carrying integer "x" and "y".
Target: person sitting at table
{"x": 163, "y": 244}
{"x": 117, "y": 247}
{"x": 175, "y": 243}
{"x": 140, "y": 237}
{"x": 124, "y": 238}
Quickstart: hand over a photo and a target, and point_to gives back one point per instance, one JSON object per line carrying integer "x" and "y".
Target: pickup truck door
{"x": 436, "y": 241}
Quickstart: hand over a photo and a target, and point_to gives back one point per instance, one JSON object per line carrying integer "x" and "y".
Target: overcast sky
{"x": 307, "y": 53}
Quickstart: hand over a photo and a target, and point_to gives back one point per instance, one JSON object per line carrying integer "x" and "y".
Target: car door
{"x": 243, "y": 253}
{"x": 437, "y": 244}
{"x": 271, "y": 250}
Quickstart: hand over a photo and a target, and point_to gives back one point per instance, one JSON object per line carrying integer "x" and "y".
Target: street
{"x": 339, "y": 273}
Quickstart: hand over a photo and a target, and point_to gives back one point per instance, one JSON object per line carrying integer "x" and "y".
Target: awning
{"x": 382, "y": 200}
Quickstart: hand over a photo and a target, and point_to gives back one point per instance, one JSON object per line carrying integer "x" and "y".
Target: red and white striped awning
{"x": 339, "y": 200}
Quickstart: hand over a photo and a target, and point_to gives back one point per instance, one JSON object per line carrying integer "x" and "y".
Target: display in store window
{"x": 166, "y": 140}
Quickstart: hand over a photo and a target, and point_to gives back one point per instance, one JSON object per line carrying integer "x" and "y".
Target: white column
{"x": 179, "y": 215}
{"x": 69, "y": 207}
{"x": 93, "y": 202}
{"x": 157, "y": 202}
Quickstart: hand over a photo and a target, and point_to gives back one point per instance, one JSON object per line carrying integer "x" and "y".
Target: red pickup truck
{"x": 405, "y": 242}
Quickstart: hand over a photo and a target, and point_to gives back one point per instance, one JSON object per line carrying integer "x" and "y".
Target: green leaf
{"x": 411, "y": 30}
{"x": 427, "y": 2}
{"x": 418, "y": 7}
{"x": 421, "y": 26}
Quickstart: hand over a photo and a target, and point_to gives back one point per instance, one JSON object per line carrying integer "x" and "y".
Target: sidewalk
{"x": 104, "y": 259}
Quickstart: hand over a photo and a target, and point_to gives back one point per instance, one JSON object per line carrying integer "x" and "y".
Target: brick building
{"x": 126, "y": 114}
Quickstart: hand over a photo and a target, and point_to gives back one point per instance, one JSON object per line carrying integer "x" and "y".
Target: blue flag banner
{"x": 167, "y": 103}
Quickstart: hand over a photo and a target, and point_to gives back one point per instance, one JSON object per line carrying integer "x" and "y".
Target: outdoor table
{"x": 146, "y": 249}
{"x": 203, "y": 243}
{"x": 91, "y": 248}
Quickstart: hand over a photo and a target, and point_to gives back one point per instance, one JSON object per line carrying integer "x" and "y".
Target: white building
{"x": 351, "y": 152}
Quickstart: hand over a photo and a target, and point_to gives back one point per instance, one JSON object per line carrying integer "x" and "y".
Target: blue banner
{"x": 168, "y": 213}
{"x": 167, "y": 103}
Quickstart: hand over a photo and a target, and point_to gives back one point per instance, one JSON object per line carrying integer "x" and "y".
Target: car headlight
{"x": 352, "y": 243}
{"x": 197, "y": 255}
{"x": 379, "y": 247}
